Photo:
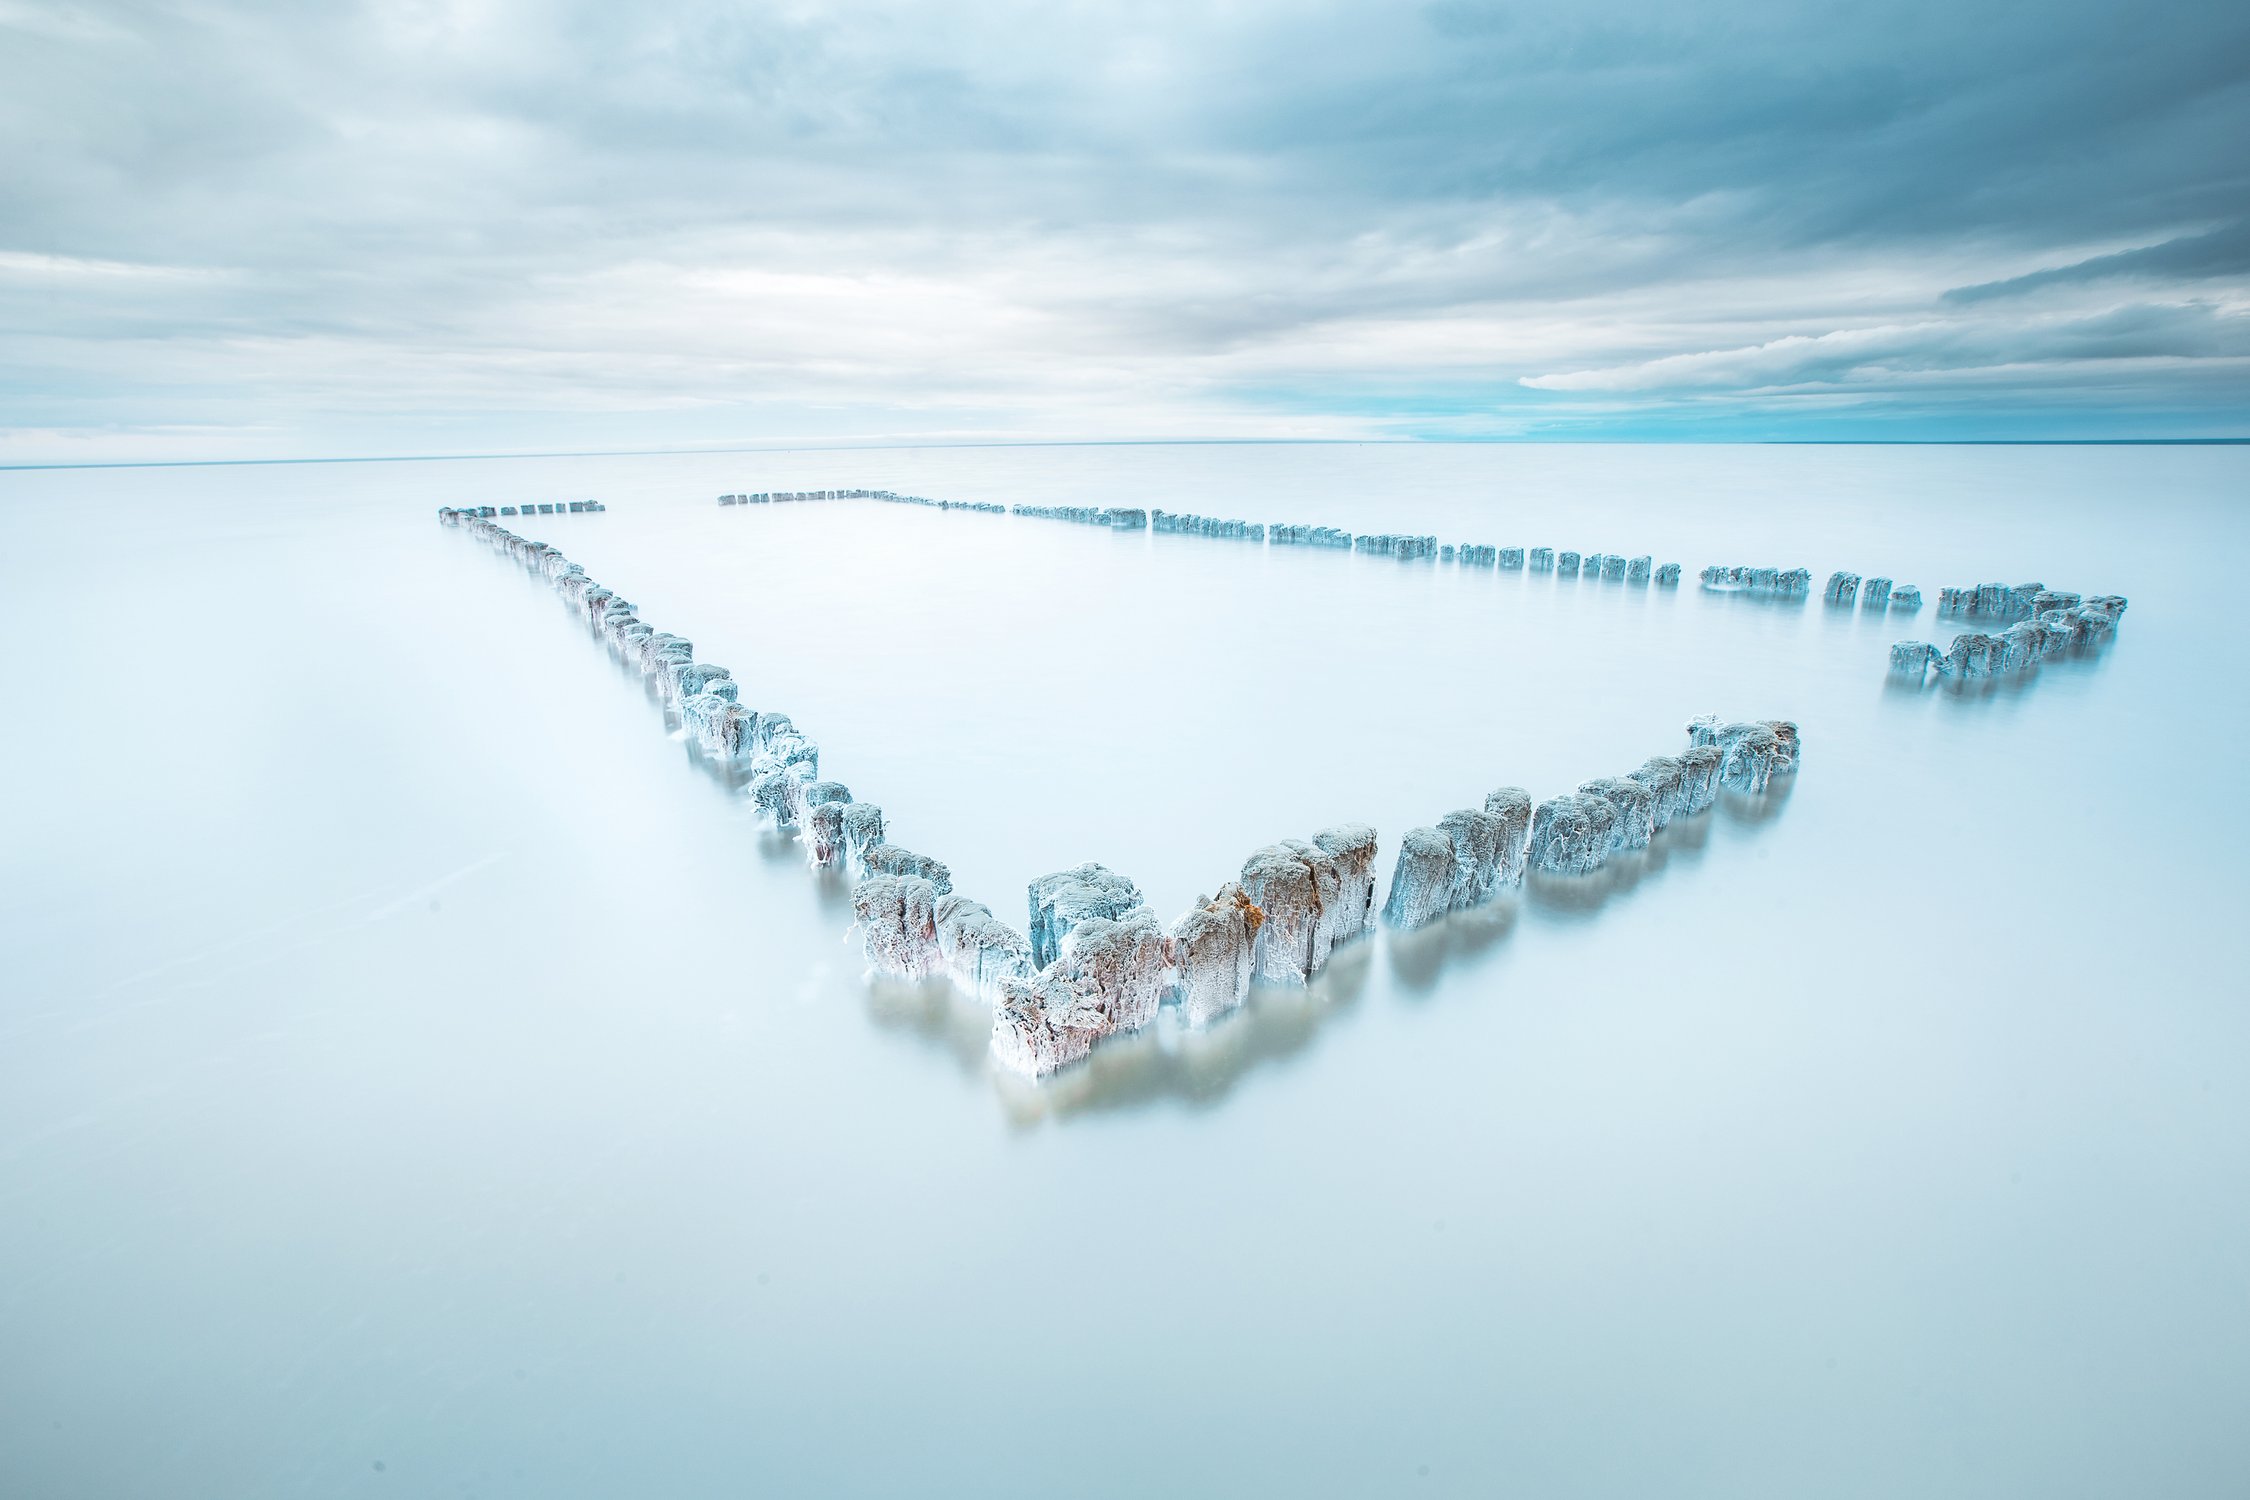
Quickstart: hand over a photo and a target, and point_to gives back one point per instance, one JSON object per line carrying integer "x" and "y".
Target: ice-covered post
{"x": 1059, "y": 902}
{"x": 1299, "y": 888}
{"x": 1209, "y": 948}
{"x": 1422, "y": 882}
{"x": 1911, "y": 660}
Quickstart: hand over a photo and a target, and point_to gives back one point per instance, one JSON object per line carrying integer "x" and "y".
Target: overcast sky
{"x": 482, "y": 225}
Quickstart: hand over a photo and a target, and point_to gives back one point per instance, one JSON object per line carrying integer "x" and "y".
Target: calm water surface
{"x": 415, "y": 1079}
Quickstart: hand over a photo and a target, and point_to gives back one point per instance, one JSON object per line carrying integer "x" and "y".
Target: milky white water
{"x": 416, "y": 1079}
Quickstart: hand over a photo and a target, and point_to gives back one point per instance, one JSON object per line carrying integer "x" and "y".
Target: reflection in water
{"x": 777, "y": 846}
{"x": 831, "y": 886}
{"x": 1682, "y": 842}
{"x": 1418, "y": 958}
{"x": 1168, "y": 1063}
{"x": 935, "y": 1012}
{"x": 267, "y": 1115}
{"x": 1760, "y": 600}
{"x": 1164, "y": 1063}
{"x": 1753, "y": 811}
{"x": 2081, "y": 660}
{"x": 1896, "y": 686}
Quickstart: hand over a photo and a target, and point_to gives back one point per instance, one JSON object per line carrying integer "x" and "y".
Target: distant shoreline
{"x": 1549, "y": 442}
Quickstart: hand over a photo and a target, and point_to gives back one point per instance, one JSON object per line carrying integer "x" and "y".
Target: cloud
{"x": 362, "y": 223}
{"x": 2220, "y": 252}
{"x": 1898, "y": 354}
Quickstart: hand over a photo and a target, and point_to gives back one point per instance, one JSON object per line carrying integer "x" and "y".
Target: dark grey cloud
{"x": 1895, "y": 354}
{"x": 2220, "y": 252}
{"x": 1051, "y": 218}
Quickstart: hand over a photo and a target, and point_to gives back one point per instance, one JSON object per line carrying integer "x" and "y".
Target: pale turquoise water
{"x": 406, "y": 1060}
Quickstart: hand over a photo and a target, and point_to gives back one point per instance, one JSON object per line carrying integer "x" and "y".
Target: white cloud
{"x": 2178, "y": 335}
{"x": 331, "y": 224}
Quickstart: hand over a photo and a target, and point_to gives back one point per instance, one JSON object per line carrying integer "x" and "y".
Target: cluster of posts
{"x": 2035, "y": 635}
{"x": 1094, "y": 961}
{"x": 1470, "y": 856}
{"x": 785, "y": 497}
{"x": 1405, "y": 547}
{"x": 789, "y": 497}
{"x": 1286, "y": 534}
{"x": 1115, "y": 517}
{"x": 779, "y": 762}
{"x": 1845, "y": 589}
{"x": 1180, "y": 523}
{"x": 1611, "y": 566}
{"x": 1097, "y": 963}
{"x": 1780, "y": 583}
{"x": 2047, "y": 622}
{"x": 560, "y": 508}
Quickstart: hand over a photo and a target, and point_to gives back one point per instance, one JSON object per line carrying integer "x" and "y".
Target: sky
{"x": 298, "y": 230}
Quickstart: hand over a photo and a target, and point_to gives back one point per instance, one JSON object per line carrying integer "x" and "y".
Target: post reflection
{"x": 1168, "y": 1064}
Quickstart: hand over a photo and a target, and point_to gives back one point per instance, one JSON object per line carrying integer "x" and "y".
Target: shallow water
{"x": 415, "y": 1078}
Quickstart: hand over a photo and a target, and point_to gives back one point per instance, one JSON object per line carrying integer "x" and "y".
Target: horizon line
{"x": 863, "y": 447}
